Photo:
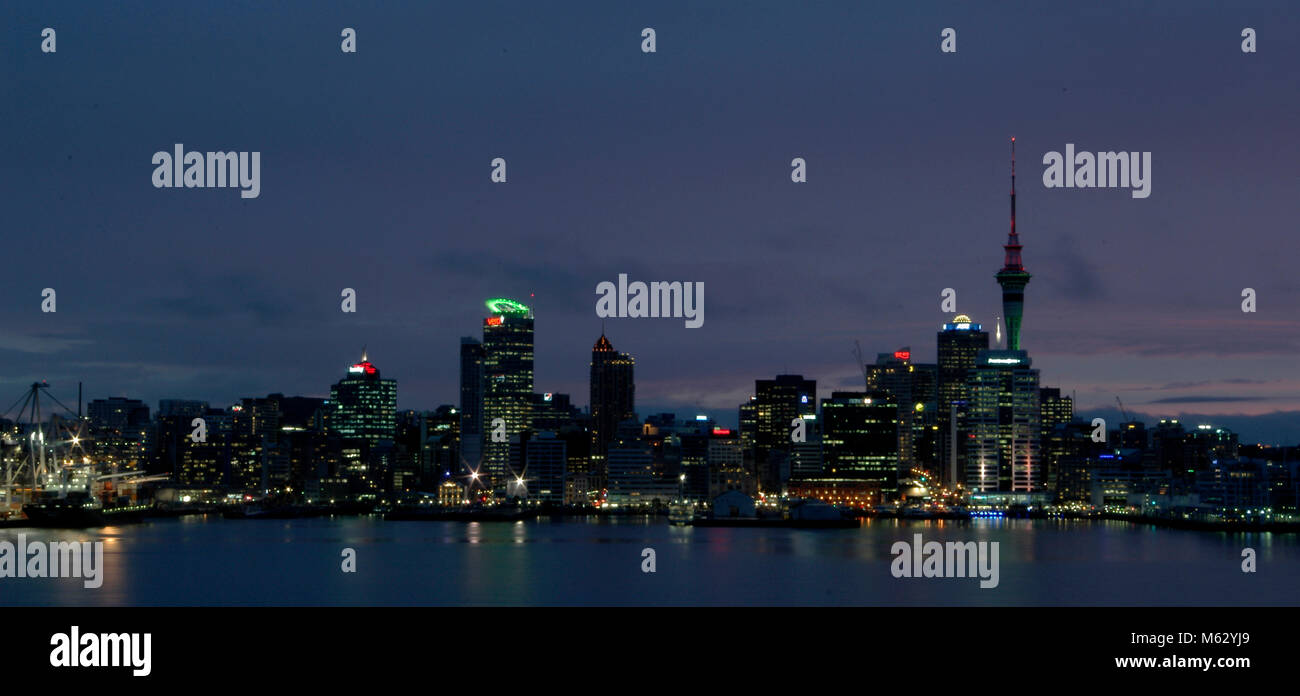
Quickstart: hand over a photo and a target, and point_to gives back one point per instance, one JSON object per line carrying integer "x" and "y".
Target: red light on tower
{"x": 903, "y": 354}
{"x": 493, "y": 321}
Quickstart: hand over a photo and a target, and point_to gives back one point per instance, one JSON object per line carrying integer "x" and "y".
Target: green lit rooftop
{"x": 502, "y": 305}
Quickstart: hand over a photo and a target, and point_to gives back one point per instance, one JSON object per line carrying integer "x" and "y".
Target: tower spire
{"x": 1012, "y": 247}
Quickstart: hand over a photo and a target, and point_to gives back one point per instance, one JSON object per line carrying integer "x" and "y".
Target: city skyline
{"x": 1131, "y": 298}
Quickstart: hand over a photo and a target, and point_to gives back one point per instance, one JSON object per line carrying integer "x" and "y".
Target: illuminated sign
{"x": 365, "y": 367}
{"x": 903, "y": 354}
{"x": 701, "y": 418}
{"x": 722, "y": 431}
{"x": 547, "y": 396}
{"x": 494, "y": 321}
{"x": 1004, "y": 361}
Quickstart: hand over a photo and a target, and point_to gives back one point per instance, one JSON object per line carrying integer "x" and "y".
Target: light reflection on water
{"x": 212, "y": 561}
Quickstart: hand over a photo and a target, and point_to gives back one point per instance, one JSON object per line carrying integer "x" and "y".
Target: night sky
{"x": 667, "y": 166}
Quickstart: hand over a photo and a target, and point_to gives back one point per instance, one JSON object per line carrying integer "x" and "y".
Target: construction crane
{"x": 1121, "y": 409}
{"x": 862, "y": 364}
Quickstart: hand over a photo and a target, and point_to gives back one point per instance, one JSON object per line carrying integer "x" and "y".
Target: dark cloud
{"x": 673, "y": 166}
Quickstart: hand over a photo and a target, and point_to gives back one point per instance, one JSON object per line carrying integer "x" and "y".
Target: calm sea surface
{"x": 597, "y": 561}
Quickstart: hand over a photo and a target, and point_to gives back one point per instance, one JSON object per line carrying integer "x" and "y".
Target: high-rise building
{"x": 365, "y": 417}
{"x": 860, "y": 438}
{"x": 1013, "y": 277}
{"x": 613, "y": 393}
{"x": 1003, "y": 419}
{"x": 204, "y": 464}
{"x": 172, "y": 429}
{"x": 471, "y": 404}
{"x": 256, "y": 463}
{"x": 748, "y": 425}
{"x": 1055, "y": 413}
{"x": 913, "y": 387}
{"x": 365, "y": 404}
{"x": 960, "y": 342}
{"x": 1055, "y": 408}
{"x": 726, "y": 459}
{"x": 552, "y": 411}
{"x": 442, "y": 446}
{"x": 120, "y": 431}
{"x": 544, "y": 469}
{"x": 777, "y": 402}
{"x": 507, "y": 382}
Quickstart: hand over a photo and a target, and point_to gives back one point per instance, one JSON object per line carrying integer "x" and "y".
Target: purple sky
{"x": 669, "y": 166}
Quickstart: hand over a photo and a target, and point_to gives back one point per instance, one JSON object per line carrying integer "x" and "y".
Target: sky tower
{"x": 1013, "y": 277}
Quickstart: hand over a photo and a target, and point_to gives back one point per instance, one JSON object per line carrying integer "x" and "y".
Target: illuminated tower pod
{"x": 1013, "y": 277}
{"x": 508, "y": 381}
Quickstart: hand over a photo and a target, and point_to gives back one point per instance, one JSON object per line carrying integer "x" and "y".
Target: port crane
{"x": 32, "y": 459}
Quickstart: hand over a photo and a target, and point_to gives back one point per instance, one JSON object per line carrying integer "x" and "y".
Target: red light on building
{"x": 493, "y": 321}
{"x": 722, "y": 431}
{"x": 903, "y": 354}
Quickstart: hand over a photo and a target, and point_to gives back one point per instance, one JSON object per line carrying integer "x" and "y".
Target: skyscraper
{"x": 1056, "y": 414}
{"x": 507, "y": 381}
{"x": 365, "y": 405}
{"x": 1013, "y": 277}
{"x": 960, "y": 342}
{"x": 860, "y": 438}
{"x": 913, "y": 388}
{"x": 364, "y": 415}
{"x": 777, "y": 402}
{"x": 545, "y": 462}
{"x": 1003, "y": 418}
{"x": 613, "y": 393}
{"x": 471, "y": 404}
{"x": 120, "y": 429}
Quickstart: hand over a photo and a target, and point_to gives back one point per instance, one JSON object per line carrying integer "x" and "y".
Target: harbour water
{"x": 207, "y": 560}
